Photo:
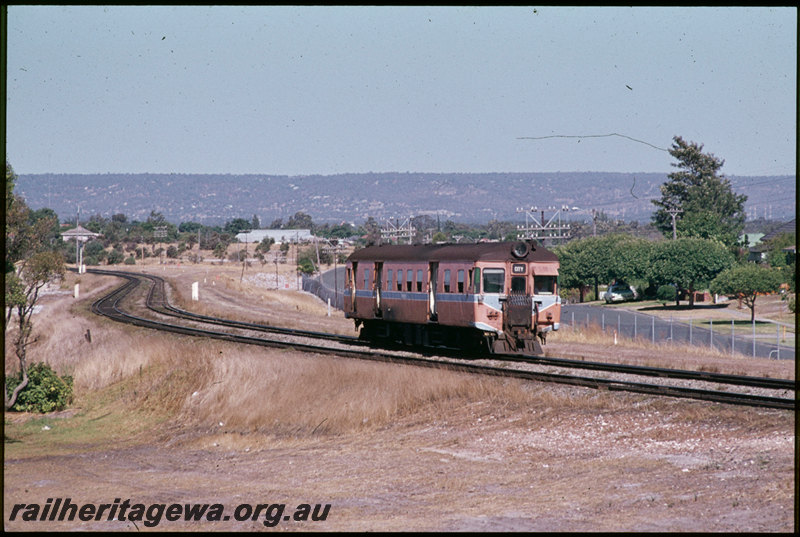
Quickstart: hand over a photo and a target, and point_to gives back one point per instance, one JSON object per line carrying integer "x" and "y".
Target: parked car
{"x": 619, "y": 292}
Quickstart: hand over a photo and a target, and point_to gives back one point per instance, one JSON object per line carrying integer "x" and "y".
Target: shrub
{"x": 45, "y": 392}
{"x": 115, "y": 257}
{"x": 666, "y": 293}
{"x": 130, "y": 260}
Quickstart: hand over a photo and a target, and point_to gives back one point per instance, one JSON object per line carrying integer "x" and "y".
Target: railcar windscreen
{"x": 493, "y": 280}
{"x": 544, "y": 285}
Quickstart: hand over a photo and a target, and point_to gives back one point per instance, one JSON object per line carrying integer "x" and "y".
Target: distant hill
{"x": 462, "y": 197}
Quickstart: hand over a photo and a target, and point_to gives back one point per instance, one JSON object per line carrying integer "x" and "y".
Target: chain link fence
{"x": 755, "y": 339}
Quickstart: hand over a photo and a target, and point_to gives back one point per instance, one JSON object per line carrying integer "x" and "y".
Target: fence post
{"x": 603, "y": 321}
{"x": 778, "y": 339}
{"x": 754, "y": 338}
{"x": 732, "y": 340}
{"x": 691, "y": 323}
{"x": 711, "y": 337}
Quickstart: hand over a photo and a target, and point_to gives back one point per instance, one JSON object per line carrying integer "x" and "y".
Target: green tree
{"x": 265, "y": 244}
{"x": 300, "y": 220}
{"x": 237, "y": 225}
{"x": 31, "y": 262}
{"x": 747, "y": 281}
{"x": 709, "y": 207}
{"x": 776, "y": 255}
{"x": 584, "y": 262}
{"x": 689, "y": 263}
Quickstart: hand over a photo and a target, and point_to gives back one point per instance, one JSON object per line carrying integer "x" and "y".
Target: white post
{"x": 329, "y": 307}
{"x": 196, "y": 291}
{"x": 76, "y": 293}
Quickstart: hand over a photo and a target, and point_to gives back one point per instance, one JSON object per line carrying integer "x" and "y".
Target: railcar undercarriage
{"x": 434, "y": 335}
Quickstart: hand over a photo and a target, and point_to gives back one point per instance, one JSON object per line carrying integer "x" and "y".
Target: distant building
{"x": 758, "y": 249}
{"x": 278, "y": 235}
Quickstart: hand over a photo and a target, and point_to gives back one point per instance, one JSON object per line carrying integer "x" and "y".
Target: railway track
{"x": 156, "y": 300}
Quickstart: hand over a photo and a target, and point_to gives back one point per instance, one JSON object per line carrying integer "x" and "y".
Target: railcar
{"x": 500, "y": 296}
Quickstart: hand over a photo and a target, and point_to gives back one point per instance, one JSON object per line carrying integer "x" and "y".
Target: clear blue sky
{"x": 325, "y": 90}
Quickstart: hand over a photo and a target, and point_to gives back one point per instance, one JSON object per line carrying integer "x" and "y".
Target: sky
{"x": 288, "y": 90}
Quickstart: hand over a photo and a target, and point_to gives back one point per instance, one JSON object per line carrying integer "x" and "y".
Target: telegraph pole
{"x": 398, "y": 231}
{"x": 674, "y": 213}
{"x": 541, "y": 229}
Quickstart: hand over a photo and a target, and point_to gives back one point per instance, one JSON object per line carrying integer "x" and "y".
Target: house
{"x": 758, "y": 250}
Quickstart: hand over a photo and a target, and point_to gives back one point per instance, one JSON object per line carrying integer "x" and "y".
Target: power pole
{"x": 674, "y": 213}
{"x": 398, "y": 231}
{"x": 541, "y": 230}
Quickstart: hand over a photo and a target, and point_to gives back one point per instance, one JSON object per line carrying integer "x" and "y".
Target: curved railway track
{"x": 156, "y": 300}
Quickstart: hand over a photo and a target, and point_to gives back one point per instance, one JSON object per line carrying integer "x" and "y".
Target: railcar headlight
{"x": 520, "y": 249}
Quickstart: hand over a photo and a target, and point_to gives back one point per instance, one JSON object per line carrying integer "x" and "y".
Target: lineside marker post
{"x": 196, "y": 291}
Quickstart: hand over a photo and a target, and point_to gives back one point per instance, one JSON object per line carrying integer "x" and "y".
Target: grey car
{"x": 618, "y": 292}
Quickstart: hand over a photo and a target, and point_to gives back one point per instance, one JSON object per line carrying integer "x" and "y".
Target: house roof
{"x": 278, "y": 235}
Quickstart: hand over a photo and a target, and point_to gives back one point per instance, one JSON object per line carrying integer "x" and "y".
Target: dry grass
{"x": 198, "y": 384}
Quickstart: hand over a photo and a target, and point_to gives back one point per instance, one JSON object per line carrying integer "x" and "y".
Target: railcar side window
{"x": 544, "y": 285}
{"x": 461, "y": 281}
{"x": 389, "y": 279}
{"x": 419, "y": 280}
{"x": 399, "y": 279}
{"x": 409, "y": 279}
{"x": 493, "y": 280}
{"x": 366, "y": 279}
{"x": 476, "y": 281}
{"x": 347, "y": 279}
{"x": 447, "y": 280}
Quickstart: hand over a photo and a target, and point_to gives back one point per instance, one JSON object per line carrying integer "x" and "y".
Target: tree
{"x": 689, "y": 263}
{"x": 747, "y": 281}
{"x": 584, "y": 262}
{"x": 237, "y": 225}
{"x": 265, "y": 244}
{"x": 31, "y": 263}
{"x": 300, "y": 220}
{"x": 708, "y": 206}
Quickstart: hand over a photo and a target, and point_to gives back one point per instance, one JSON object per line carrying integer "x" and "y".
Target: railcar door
{"x": 352, "y": 282}
{"x": 518, "y": 306}
{"x": 433, "y": 271}
{"x": 378, "y": 287}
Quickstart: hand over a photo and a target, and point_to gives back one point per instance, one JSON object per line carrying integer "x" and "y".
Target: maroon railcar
{"x": 501, "y": 295}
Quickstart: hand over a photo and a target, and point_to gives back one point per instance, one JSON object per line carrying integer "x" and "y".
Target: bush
{"x": 45, "y": 392}
{"x": 115, "y": 257}
{"x": 666, "y": 293}
{"x": 130, "y": 260}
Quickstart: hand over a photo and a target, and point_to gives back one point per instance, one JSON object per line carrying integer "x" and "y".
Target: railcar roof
{"x": 487, "y": 251}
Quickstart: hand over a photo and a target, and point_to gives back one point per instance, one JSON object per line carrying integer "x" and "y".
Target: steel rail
{"x": 109, "y": 306}
{"x": 707, "y": 376}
